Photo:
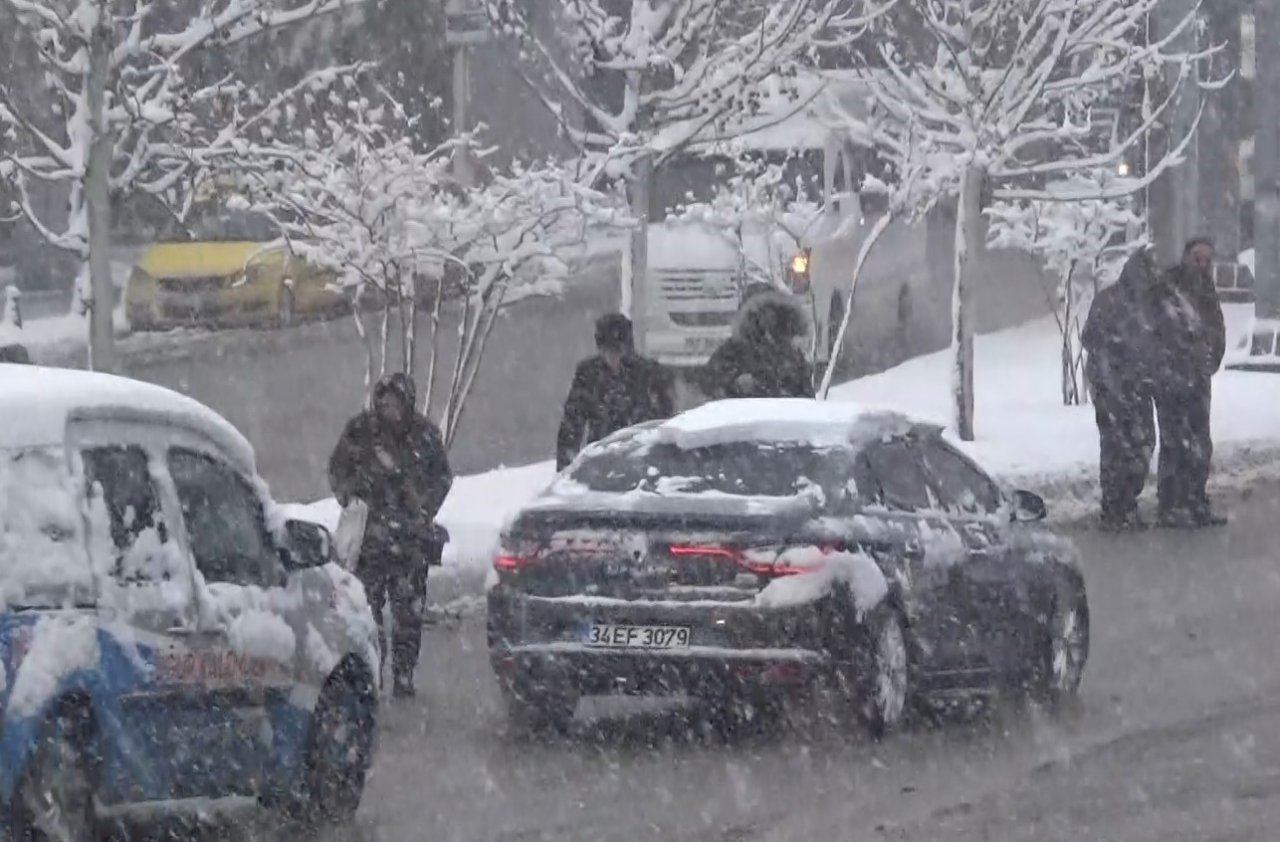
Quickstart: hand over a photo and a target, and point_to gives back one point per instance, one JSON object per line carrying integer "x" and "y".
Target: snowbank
{"x": 1026, "y": 437}
{"x": 1029, "y": 439}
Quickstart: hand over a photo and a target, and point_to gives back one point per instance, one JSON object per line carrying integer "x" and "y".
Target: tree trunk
{"x": 102, "y": 355}
{"x": 634, "y": 297}
{"x": 968, "y": 248}
{"x": 410, "y": 327}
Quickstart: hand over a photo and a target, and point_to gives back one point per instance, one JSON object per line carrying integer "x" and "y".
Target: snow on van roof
{"x": 790, "y": 420}
{"x": 36, "y": 402}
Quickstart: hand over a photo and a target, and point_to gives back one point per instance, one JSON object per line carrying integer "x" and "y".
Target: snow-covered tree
{"x": 124, "y": 109}
{"x": 621, "y": 74}
{"x": 1083, "y": 244}
{"x": 396, "y": 227}
{"x": 981, "y": 100}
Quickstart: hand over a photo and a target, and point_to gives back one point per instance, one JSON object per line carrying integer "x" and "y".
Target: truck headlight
{"x": 798, "y": 271}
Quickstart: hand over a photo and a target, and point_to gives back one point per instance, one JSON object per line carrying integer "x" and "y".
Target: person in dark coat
{"x": 611, "y": 391}
{"x": 1192, "y": 340}
{"x": 761, "y": 359}
{"x": 1120, "y": 344}
{"x": 394, "y": 459}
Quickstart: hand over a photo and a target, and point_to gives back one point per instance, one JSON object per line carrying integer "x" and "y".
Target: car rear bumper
{"x": 543, "y": 641}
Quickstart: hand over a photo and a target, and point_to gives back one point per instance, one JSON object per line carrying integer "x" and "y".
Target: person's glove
{"x": 745, "y": 384}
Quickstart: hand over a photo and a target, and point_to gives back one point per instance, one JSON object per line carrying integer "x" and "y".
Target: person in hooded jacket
{"x": 761, "y": 359}
{"x": 612, "y": 390}
{"x": 1118, "y": 336}
{"x": 394, "y": 459}
{"x": 1191, "y": 335}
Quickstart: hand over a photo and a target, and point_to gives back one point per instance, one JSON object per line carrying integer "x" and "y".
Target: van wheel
{"x": 339, "y": 750}
{"x": 54, "y": 801}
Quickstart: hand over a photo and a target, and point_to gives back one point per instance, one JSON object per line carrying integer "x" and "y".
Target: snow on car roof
{"x": 36, "y": 402}
{"x": 790, "y": 420}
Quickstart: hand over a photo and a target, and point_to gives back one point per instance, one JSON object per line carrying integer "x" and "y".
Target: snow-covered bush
{"x": 394, "y": 225}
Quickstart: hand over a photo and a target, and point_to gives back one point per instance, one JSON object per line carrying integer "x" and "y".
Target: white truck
{"x": 698, "y": 279}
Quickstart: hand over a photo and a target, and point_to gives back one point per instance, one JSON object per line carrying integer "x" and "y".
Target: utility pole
{"x": 1266, "y": 160}
{"x": 1220, "y": 134}
{"x": 465, "y": 26}
{"x": 1175, "y": 197}
{"x": 1263, "y": 350}
{"x": 97, "y": 198}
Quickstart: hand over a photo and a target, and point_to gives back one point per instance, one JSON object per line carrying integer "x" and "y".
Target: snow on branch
{"x": 652, "y": 75}
{"x": 159, "y": 112}
{"x": 393, "y": 227}
{"x": 1018, "y": 89}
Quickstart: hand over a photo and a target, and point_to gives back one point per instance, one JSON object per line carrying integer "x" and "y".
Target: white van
{"x": 168, "y": 638}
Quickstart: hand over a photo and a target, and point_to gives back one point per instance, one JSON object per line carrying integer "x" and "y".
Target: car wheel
{"x": 339, "y": 750}
{"x": 885, "y": 688}
{"x": 1065, "y": 648}
{"x": 54, "y": 801}
{"x": 542, "y": 711}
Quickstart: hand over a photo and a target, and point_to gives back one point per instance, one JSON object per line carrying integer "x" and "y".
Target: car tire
{"x": 1065, "y": 647}
{"x": 545, "y": 711}
{"x": 885, "y": 687}
{"x": 55, "y": 798}
{"x": 339, "y": 750}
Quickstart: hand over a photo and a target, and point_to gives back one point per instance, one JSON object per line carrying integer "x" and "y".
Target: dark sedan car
{"x": 745, "y": 551}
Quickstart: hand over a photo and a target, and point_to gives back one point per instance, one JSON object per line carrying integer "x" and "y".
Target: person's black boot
{"x": 1127, "y": 522}
{"x": 1208, "y": 518}
{"x": 402, "y": 687}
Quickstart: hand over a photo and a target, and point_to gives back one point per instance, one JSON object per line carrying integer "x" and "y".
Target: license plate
{"x": 638, "y": 637}
{"x": 702, "y": 343}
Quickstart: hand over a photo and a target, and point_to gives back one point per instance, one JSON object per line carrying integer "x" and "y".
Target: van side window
{"x": 224, "y": 520}
{"x": 119, "y": 477}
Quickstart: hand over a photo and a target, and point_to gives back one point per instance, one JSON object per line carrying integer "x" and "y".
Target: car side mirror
{"x": 307, "y": 545}
{"x": 1028, "y": 507}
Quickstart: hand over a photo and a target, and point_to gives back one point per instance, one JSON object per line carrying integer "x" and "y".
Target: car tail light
{"x": 510, "y": 561}
{"x": 746, "y": 561}
{"x": 512, "y": 555}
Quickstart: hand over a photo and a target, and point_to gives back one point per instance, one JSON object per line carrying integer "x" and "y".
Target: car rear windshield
{"x": 750, "y": 469}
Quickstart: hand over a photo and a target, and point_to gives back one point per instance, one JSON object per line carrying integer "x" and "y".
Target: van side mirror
{"x": 307, "y": 545}
{"x": 1028, "y": 507}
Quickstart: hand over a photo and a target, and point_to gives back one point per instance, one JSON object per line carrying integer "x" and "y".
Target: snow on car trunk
{"x": 856, "y": 571}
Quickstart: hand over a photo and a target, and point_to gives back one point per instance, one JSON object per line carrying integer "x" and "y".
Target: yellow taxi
{"x": 219, "y": 269}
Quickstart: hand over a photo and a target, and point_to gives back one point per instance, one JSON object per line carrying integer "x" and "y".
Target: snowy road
{"x": 1177, "y": 737}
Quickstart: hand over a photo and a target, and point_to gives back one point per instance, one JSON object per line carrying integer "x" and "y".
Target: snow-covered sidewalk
{"x": 1025, "y": 436}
